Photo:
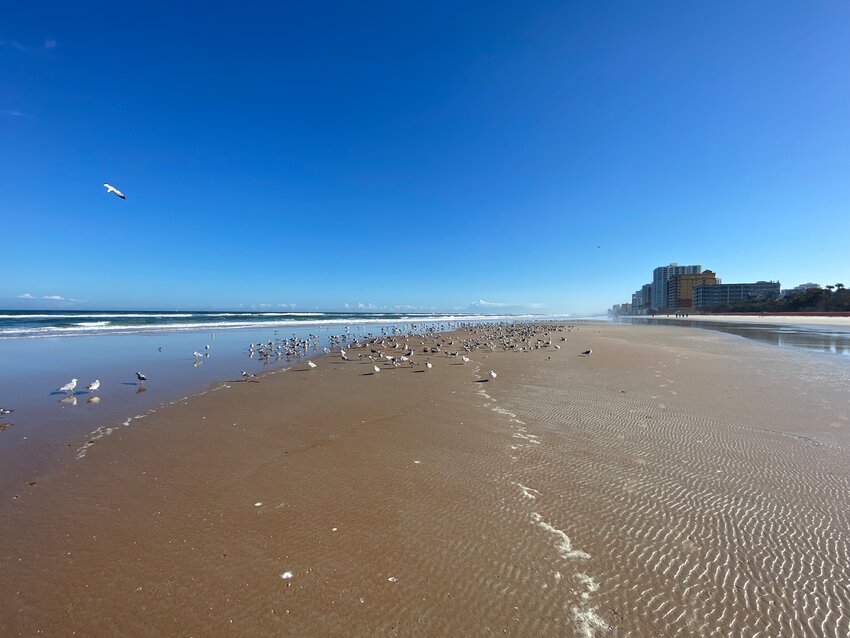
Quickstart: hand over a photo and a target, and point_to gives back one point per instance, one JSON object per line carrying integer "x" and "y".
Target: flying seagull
{"x": 94, "y": 385}
{"x": 69, "y": 387}
{"x": 114, "y": 191}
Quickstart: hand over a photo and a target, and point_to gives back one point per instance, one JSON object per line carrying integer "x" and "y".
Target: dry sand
{"x": 675, "y": 482}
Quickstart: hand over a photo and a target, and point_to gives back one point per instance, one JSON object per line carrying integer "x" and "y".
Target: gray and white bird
{"x": 429, "y": 365}
{"x": 142, "y": 378}
{"x": 311, "y": 365}
{"x": 493, "y": 375}
{"x": 376, "y": 369}
{"x": 114, "y": 191}
{"x": 69, "y": 387}
{"x": 197, "y": 354}
{"x": 248, "y": 376}
{"x": 94, "y": 386}
{"x": 5, "y": 411}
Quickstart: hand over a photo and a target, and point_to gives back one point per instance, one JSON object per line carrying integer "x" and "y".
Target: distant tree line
{"x": 828, "y": 299}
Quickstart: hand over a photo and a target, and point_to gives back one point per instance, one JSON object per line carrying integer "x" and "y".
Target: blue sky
{"x": 422, "y": 155}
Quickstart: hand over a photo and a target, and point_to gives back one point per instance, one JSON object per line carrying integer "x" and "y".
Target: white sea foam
{"x": 564, "y": 545}
{"x": 528, "y": 492}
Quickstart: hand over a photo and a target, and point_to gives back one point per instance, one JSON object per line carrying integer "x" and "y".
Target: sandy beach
{"x": 674, "y": 482}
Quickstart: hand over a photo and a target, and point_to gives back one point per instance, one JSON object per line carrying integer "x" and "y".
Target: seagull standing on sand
{"x": 94, "y": 385}
{"x": 142, "y": 378}
{"x": 493, "y": 375}
{"x": 312, "y": 365}
{"x": 377, "y": 369}
{"x": 114, "y": 191}
{"x": 69, "y": 387}
{"x": 429, "y": 365}
{"x": 248, "y": 376}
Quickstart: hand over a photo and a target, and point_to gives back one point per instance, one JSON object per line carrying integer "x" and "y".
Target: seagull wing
{"x": 112, "y": 189}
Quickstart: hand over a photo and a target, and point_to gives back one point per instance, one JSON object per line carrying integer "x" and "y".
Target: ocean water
{"x": 20, "y": 324}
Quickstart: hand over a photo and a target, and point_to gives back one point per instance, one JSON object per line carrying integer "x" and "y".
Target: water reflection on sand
{"x": 818, "y": 338}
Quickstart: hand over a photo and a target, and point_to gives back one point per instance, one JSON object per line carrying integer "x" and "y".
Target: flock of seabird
{"x": 395, "y": 347}
{"x": 392, "y": 348}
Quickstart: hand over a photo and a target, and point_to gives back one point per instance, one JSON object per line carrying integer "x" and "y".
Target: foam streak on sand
{"x": 564, "y": 544}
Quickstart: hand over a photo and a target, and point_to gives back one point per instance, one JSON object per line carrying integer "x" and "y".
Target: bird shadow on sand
{"x": 483, "y": 381}
{"x": 417, "y": 371}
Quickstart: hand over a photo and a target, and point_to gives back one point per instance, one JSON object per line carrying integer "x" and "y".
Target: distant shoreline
{"x": 801, "y": 318}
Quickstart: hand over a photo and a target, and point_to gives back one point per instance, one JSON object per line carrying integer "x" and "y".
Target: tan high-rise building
{"x": 680, "y": 288}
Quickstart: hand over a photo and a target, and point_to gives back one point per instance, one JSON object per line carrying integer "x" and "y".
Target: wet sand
{"x": 794, "y": 320}
{"x": 675, "y": 482}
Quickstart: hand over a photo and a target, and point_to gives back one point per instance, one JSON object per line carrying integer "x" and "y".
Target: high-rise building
{"x": 661, "y": 276}
{"x": 680, "y": 288}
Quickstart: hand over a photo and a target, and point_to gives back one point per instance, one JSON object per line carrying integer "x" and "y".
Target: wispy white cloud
{"x": 28, "y": 295}
{"x": 43, "y": 48}
{"x": 482, "y": 304}
{"x": 11, "y": 112}
{"x": 286, "y": 305}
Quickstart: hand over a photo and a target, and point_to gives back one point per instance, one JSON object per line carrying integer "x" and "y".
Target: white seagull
{"x": 429, "y": 365}
{"x": 493, "y": 375}
{"x": 69, "y": 387}
{"x": 377, "y": 369}
{"x": 115, "y": 191}
{"x": 312, "y": 365}
{"x": 94, "y": 385}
